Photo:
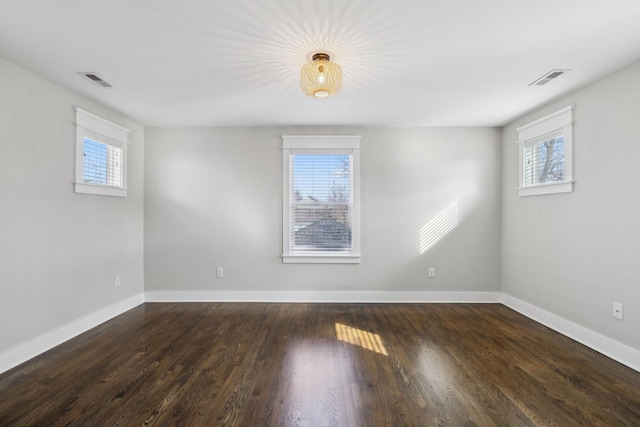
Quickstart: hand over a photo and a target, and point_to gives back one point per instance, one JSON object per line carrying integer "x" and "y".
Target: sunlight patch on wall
{"x": 361, "y": 338}
{"x": 439, "y": 227}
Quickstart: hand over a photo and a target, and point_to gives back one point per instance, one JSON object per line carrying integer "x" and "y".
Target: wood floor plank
{"x": 307, "y": 365}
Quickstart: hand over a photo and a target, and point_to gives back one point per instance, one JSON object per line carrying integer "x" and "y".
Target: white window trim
{"x": 321, "y": 144}
{"x": 94, "y": 127}
{"x": 554, "y": 124}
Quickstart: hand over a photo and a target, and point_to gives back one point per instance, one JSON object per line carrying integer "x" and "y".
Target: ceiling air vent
{"x": 96, "y": 79}
{"x": 548, "y": 77}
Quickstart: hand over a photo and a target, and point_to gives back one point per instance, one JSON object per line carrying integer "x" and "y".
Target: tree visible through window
{"x": 545, "y": 161}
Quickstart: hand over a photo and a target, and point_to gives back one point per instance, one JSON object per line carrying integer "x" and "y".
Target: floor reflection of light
{"x": 439, "y": 227}
{"x": 317, "y": 380}
{"x": 361, "y": 338}
{"x": 437, "y": 367}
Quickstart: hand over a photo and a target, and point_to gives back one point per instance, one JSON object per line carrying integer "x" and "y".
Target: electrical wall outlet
{"x": 219, "y": 272}
{"x": 618, "y": 310}
{"x": 432, "y": 272}
{"x": 116, "y": 281}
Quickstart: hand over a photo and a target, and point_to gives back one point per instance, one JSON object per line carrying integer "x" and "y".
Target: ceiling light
{"x": 321, "y": 77}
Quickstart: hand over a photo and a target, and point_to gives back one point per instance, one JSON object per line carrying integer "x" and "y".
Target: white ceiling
{"x": 237, "y": 62}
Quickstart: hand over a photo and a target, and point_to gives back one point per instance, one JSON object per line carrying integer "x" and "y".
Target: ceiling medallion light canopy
{"x": 321, "y": 77}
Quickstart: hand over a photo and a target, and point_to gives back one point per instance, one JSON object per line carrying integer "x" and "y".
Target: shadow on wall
{"x": 441, "y": 225}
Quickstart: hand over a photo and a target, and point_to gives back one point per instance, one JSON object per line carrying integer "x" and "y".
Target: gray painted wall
{"x": 574, "y": 254}
{"x": 213, "y": 197}
{"x": 59, "y": 251}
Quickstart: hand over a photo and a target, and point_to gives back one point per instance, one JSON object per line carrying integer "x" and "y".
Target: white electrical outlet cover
{"x": 618, "y": 310}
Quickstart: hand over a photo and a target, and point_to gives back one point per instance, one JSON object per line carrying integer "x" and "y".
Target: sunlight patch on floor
{"x": 364, "y": 339}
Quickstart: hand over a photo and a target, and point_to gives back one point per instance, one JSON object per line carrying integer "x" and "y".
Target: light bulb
{"x": 321, "y": 77}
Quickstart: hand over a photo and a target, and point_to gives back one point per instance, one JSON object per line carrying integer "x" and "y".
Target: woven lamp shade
{"x": 321, "y": 77}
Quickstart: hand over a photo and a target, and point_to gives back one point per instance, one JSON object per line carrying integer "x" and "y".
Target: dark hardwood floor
{"x": 238, "y": 364}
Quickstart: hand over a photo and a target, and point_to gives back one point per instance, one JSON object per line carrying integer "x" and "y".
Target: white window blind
{"x": 321, "y": 202}
{"x": 321, "y": 199}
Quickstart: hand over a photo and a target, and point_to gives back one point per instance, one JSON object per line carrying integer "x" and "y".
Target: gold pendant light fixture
{"x": 321, "y": 77}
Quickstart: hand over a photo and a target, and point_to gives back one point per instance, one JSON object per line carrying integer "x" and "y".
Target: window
{"x": 321, "y": 199}
{"x": 545, "y": 153}
{"x": 101, "y": 150}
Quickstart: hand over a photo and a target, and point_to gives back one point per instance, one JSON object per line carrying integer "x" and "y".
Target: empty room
{"x": 319, "y": 213}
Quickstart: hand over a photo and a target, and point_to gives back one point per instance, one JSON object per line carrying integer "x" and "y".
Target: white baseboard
{"x": 610, "y": 348}
{"x": 320, "y": 296}
{"x": 36, "y": 346}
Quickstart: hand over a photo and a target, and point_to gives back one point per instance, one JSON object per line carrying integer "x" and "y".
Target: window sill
{"x": 101, "y": 190}
{"x": 551, "y": 188}
{"x": 321, "y": 259}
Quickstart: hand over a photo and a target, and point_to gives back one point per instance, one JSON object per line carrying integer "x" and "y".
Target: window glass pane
{"x": 324, "y": 178}
{"x": 321, "y": 200}
{"x": 95, "y": 162}
{"x": 544, "y": 161}
{"x": 102, "y": 163}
